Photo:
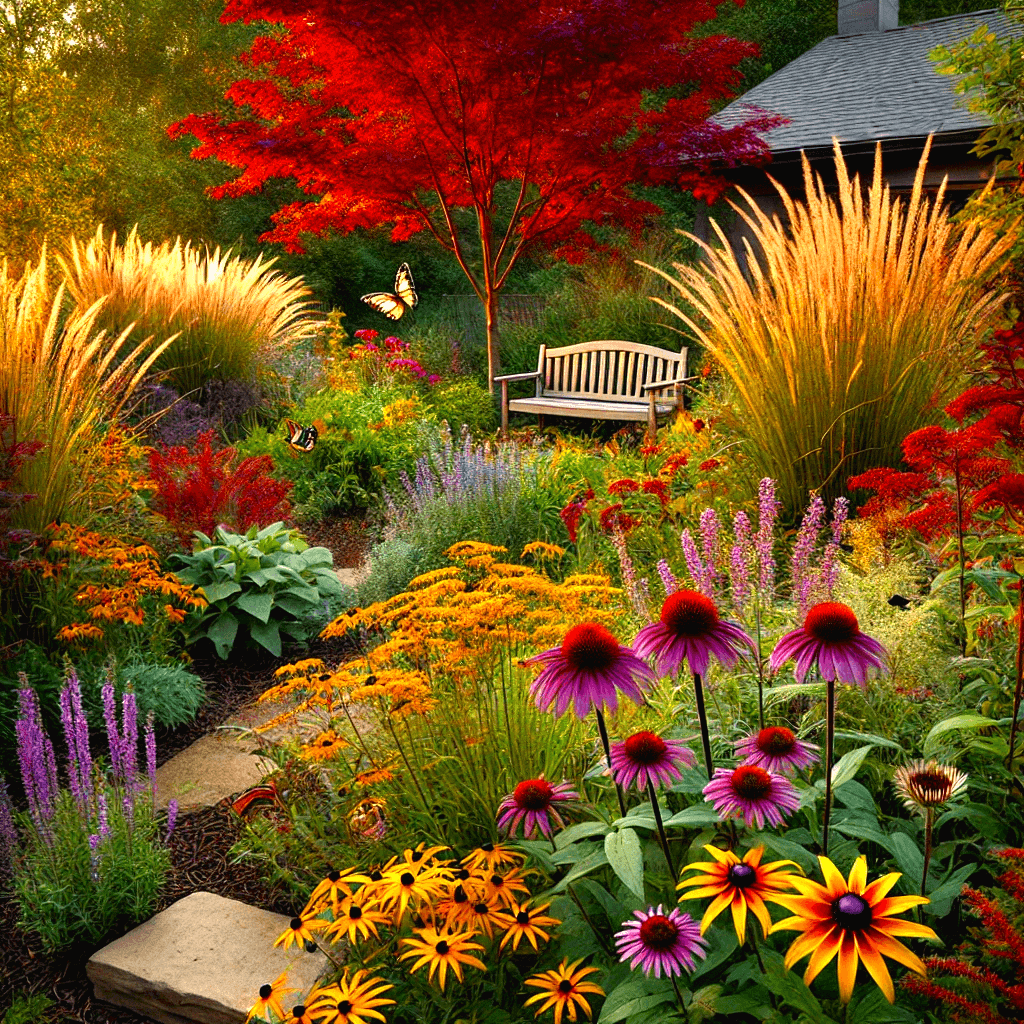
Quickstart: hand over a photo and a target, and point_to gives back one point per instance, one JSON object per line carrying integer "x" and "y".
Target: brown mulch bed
{"x": 201, "y": 840}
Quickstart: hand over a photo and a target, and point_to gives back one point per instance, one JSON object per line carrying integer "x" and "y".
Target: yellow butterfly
{"x": 300, "y": 438}
{"x": 393, "y": 306}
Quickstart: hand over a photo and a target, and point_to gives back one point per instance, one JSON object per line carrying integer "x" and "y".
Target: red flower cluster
{"x": 198, "y": 490}
{"x": 614, "y": 519}
{"x": 573, "y": 512}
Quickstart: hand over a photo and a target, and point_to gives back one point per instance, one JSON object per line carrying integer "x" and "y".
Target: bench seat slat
{"x": 587, "y": 408}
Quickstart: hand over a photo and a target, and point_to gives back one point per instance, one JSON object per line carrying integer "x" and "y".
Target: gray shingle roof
{"x": 876, "y": 85}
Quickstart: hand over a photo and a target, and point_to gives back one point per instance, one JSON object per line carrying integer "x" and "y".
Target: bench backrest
{"x": 609, "y": 370}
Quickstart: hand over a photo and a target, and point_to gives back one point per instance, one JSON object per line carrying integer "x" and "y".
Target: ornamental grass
{"x": 228, "y": 315}
{"x": 850, "y": 334}
{"x": 60, "y": 378}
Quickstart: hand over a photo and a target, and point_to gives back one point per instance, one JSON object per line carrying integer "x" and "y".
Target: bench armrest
{"x": 660, "y": 385}
{"x": 518, "y": 376}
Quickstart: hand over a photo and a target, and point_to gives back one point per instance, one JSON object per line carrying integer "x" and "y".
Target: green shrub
{"x": 393, "y": 564}
{"x": 170, "y": 691}
{"x": 464, "y": 402}
{"x": 259, "y": 585}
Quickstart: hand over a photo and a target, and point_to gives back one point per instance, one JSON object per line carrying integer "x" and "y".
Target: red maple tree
{"x": 533, "y": 118}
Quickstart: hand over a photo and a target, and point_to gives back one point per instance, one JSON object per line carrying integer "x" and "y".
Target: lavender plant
{"x": 90, "y": 859}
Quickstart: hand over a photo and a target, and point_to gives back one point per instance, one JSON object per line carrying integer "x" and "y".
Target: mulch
{"x": 200, "y": 843}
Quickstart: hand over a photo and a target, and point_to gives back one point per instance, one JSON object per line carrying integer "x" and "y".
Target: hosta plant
{"x": 259, "y": 585}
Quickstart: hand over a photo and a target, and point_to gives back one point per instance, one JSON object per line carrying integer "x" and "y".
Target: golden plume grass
{"x": 231, "y": 315}
{"x": 853, "y": 333}
{"x": 59, "y": 379}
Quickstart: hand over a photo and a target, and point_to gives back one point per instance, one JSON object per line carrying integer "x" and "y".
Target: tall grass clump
{"x": 853, "y": 332}
{"x": 230, "y": 315}
{"x": 59, "y": 378}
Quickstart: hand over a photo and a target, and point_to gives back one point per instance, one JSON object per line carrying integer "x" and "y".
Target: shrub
{"x": 172, "y": 693}
{"x": 197, "y": 490}
{"x": 464, "y": 402}
{"x": 228, "y": 315}
{"x": 259, "y": 585}
{"x": 850, "y": 335}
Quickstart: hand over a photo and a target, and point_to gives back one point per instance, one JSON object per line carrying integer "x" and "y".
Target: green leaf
{"x": 219, "y": 591}
{"x": 909, "y": 858}
{"x": 267, "y": 635}
{"x": 789, "y": 986}
{"x": 849, "y": 764}
{"x": 695, "y": 816}
{"x": 222, "y": 632}
{"x": 314, "y": 557}
{"x": 942, "y": 897}
{"x": 634, "y": 997}
{"x": 596, "y": 860}
{"x": 721, "y": 945}
{"x": 261, "y": 577}
{"x": 969, "y": 720}
{"x": 584, "y": 830}
{"x": 258, "y": 606}
{"x": 626, "y": 857}
{"x": 786, "y": 849}
{"x": 868, "y": 737}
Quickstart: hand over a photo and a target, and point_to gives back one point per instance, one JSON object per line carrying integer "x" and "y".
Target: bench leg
{"x": 504, "y": 409}
{"x": 652, "y": 422}
{"x": 540, "y": 421}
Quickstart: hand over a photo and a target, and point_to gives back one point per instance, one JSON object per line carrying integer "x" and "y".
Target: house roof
{"x": 869, "y": 86}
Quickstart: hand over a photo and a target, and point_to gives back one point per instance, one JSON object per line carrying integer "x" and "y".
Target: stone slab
{"x": 201, "y": 961}
{"x": 354, "y": 575}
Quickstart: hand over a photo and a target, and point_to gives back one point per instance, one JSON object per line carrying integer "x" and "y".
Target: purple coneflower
{"x": 534, "y": 804}
{"x": 830, "y": 639}
{"x": 645, "y": 758}
{"x": 750, "y": 792}
{"x": 777, "y": 749}
{"x": 690, "y": 631}
{"x": 587, "y": 671}
{"x": 657, "y": 942}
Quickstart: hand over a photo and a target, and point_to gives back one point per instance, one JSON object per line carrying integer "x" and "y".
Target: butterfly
{"x": 300, "y": 438}
{"x": 393, "y": 306}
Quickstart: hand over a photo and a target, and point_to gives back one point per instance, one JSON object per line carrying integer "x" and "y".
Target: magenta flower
{"x": 657, "y": 942}
{"x": 690, "y": 630}
{"x": 588, "y": 670}
{"x": 534, "y": 804}
{"x": 646, "y": 757}
{"x": 831, "y": 639}
{"x": 753, "y": 794}
{"x": 777, "y": 750}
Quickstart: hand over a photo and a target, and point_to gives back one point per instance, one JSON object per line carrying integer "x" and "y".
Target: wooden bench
{"x": 603, "y": 380}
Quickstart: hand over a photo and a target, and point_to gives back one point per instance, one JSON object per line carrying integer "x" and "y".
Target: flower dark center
{"x": 589, "y": 647}
{"x": 565, "y": 986}
{"x": 265, "y": 991}
{"x": 334, "y": 876}
{"x": 658, "y": 932}
{"x": 459, "y": 896}
{"x": 344, "y": 1006}
{"x": 645, "y": 748}
{"x": 488, "y": 847}
{"x": 442, "y": 947}
{"x": 533, "y": 795}
{"x": 522, "y": 917}
{"x": 776, "y": 741}
{"x": 497, "y": 881}
{"x": 295, "y": 924}
{"x": 326, "y": 743}
{"x": 463, "y": 874}
{"x": 832, "y": 623}
{"x": 688, "y": 613}
{"x": 481, "y": 908}
{"x": 355, "y": 913}
{"x": 742, "y": 876}
{"x": 852, "y": 912}
{"x": 407, "y": 879}
{"x": 751, "y": 782}
{"x": 299, "y": 1011}
{"x": 375, "y": 876}
{"x": 930, "y": 787}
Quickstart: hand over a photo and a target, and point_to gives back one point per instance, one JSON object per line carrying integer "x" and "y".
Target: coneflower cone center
{"x": 832, "y": 623}
{"x": 658, "y": 932}
{"x": 930, "y": 787}
{"x": 751, "y": 782}
{"x": 776, "y": 741}
{"x": 689, "y": 613}
{"x": 742, "y": 876}
{"x": 852, "y": 912}
{"x": 533, "y": 794}
{"x": 645, "y": 748}
{"x": 589, "y": 647}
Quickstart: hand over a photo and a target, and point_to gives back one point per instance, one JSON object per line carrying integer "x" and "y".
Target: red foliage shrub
{"x": 201, "y": 489}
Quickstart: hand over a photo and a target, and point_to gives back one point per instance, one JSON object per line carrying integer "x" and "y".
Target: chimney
{"x": 858, "y": 16}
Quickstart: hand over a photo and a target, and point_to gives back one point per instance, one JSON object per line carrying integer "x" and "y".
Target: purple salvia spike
{"x": 740, "y": 557}
{"x": 130, "y": 738}
{"x": 128, "y": 806}
{"x": 767, "y": 510}
{"x": 172, "y": 816}
{"x": 151, "y": 756}
{"x": 668, "y": 580}
{"x": 830, "y": 563}
{"x": 694, "y": 565}
{"x": 101, "y": 804}
{"x": 81, "y": 735}
{"x": 113, "y": 736}
{"x": 709, "y": 545}
{"x": 74, "y": 770}
{"x": 803, "y": 549}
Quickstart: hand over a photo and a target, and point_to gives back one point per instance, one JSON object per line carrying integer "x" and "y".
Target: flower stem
{"x": 929, "y": 822}
{"x": 830, "y": 735}
{"x": 598, "y": 934}
{"x": 702, "y": 715}
{"x": 679, "y": 995}
{"x": 603, "y": 730}
{"x": 760, "y": 666}
{"x": 653, "y": 794}
{"x": 1019, "y": 682}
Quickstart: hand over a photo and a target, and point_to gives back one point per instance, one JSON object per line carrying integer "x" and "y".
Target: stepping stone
{"x": 201, "y": 961}
{"x": 354, "y": 575}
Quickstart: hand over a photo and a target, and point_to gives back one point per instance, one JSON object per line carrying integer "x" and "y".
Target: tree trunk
{"x": 493, "y": 338}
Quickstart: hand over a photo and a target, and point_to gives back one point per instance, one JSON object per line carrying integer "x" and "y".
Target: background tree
{"x": 408, "y": 114}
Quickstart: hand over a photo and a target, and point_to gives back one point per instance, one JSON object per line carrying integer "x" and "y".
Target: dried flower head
{"x": 924, "y": 784}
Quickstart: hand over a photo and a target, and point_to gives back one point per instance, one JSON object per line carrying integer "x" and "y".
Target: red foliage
{"x": 999, "y": 941}
{"x": 201, "y": 489}
{"x": 398, "y": 113}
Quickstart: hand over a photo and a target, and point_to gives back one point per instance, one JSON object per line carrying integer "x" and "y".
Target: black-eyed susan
{"x": 401, "y": 888}
{"x": 485, "y": 917}
{"x": 270, "y": 999}
{"x": 525, "y": 922}
{"x": 452, "y": 907}
{"x": 351, "y": 1000}
{"x": 335, "y": 887}
{"x": 492, "y": 857}
{"x": 442, "y": 950}
{"x": 424, "y": 856}
{"x": 355, "y": 919}
{"x": 855, "y": 920}
{"x": 741, "y": 885}
{"x": 300, "y": 1014}
{"x": 564, "y": 989}
{"x": 300, "y": 931}
{"x": 502, "y": 888}
{"x": 324, "y": 747}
